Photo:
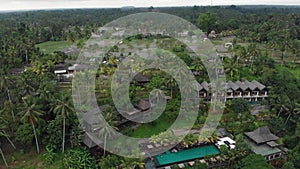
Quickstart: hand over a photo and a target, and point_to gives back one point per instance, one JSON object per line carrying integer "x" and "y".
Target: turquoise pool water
{"x": 186, "y": 155}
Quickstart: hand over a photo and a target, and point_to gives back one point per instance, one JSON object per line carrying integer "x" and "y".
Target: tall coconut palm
{"x": 63, "y": 108}
{"x": 240, "y": 54}
{"x": 6, "y": 111}
{"x": 252, "y": 53}
{"x": 291, "y": 109}
{"x": 171, "y": 83}
{"x": 4, "y": 83}
{"x": 231, "y": 67}
{"x": 107, "y": 128}
{"x": 28, "y": 82}
{"x": 30, "y": 113}
{"x": 3, "y": 126}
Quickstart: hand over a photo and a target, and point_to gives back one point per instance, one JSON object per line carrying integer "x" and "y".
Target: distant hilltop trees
{"x": 127, "y": 7}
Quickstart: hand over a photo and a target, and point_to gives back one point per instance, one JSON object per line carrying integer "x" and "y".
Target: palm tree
{"x": 171, "y": 83}
{"x": 38, "y": 68}
{"x": 291, "y": 109}
{"x": 231, "y": 67}
{"x": 107, "y": 127}
{"x": 209, "y": 136}
{"x": 197, "y": 65}
{"x": 188, "y": 140}
{"x": 252, "y": 53}
{"x": 30, "y": 112}
{"x": 64, "y": 109}
{"x": 28, "y": 83}
{"x": 154, "y": 139}
{"x": 229, "y": 155}
{"x": 4, "y": 83}
{"x": 3, "y": 126}
{"x": 240, "y": 53}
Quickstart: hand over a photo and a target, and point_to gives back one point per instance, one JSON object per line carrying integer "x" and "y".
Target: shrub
{"x": 79, "y": 159}
{"x": 50, "y": 154}
{"x": 239, "y": 106}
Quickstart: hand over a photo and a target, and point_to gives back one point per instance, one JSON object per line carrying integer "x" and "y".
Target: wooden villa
{"x": 250, "y": 91}
{"x": 263, "y": 142}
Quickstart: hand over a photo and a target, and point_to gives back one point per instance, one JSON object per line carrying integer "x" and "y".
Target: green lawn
{"x": 161, "y": 124}
{"x": 218, "y": 42}
{"x": 147, "y": 130}
{"x": 52, "y": 46}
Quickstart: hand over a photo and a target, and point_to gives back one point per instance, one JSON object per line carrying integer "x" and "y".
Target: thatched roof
{"x": 261, "y": 135}
{"x": 144, "y": 104}
{"x": 244, "y": 85}
{"x": 60, "y": 66}
{"x": 250, "y": 85}
{"x": 222, "y": 132}
{"x": 199, "y": 87}
{"x": 272, "y": 144}
{"x": 221, "y": 49}
{"x": 141, "y": 78}
{"x": 205, "y": 85}
{"x": 259, "y": 85}
{"x": 262, "y": 149}
{"x": 232, "y": 85}
{"x": 241, "y": 85}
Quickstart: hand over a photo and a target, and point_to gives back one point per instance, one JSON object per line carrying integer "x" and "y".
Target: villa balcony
{"x": 247, "y": 95}
{"x": 263, "y": 95}
{"x": 229, "y": 95}
{"x": 202, "y": 95}
{"x": 237, "y": 96}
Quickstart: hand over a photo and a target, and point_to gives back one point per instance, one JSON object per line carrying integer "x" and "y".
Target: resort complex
{"x": 189, "y": 87}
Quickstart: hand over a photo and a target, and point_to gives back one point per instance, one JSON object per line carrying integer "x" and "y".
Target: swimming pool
{"x": 186, "y": 155}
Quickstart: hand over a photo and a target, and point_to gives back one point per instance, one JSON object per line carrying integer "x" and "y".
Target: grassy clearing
{"x": 160, "y": 125}
{"x": 147, "y": 130}
{"x": 218, "y": 42}
{"x": 31, "y": 160}
{"x": 52, "y": 46}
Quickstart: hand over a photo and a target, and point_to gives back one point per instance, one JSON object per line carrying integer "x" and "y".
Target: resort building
{"x": 18, "y": 71}
{"x": 251, "y": 91}
{"x": 223, "y": 52}
{"x": 263, "y": 142}
{"x": 65, "y": 73}
{"x": 222, "y": 132}
{"x": 141, "y": 80}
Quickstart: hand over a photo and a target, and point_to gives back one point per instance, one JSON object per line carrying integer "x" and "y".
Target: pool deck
{"x": 186, "y": 155}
